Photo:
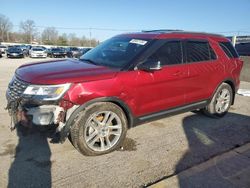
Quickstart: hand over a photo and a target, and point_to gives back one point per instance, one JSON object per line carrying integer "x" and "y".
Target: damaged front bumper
{"x": 31, "y": 112}
{"x": 46, "y": 114}
{"x": 29, "y": 105}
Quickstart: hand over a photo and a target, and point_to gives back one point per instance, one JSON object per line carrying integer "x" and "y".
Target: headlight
{"x": 47, "y": 92}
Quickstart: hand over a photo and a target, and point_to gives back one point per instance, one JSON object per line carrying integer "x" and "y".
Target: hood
{"x": 63, "y": 71}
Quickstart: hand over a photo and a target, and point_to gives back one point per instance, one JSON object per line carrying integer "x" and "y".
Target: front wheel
{"x": 99, "y": 129}
{"x": 221, "y": 101}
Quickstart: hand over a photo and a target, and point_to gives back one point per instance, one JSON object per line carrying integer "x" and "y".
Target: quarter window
{"x": 229, "y": 50}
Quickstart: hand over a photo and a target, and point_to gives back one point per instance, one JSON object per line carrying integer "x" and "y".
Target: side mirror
{"x": 150, "y": 66}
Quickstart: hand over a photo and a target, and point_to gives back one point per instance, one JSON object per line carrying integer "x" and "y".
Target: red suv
{"x": 126, "y": 80}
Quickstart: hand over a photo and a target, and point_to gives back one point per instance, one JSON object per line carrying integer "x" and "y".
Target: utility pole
{"x": 234, "y": 38}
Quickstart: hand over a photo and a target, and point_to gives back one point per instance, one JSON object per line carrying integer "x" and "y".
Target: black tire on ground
{"x": 78, "y": 129}
{"x": 210, "y": 109}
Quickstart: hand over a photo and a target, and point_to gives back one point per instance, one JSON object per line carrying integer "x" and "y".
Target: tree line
{"x": 28, "y": 33}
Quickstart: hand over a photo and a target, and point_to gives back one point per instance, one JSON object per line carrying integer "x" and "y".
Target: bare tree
{"x": 15, "y": 37}
{"x": 49, "y": 35}
{"x": 5, "y": 28}
{"x": 28, "y": 28}
{"x": 62, "y": 40}
{"x": 88, "y": 42}
{"x": 73, "y": 40}
{"x": 28, "y": 33}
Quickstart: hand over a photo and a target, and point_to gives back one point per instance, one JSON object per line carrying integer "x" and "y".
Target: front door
{"x": 162, "y": 89}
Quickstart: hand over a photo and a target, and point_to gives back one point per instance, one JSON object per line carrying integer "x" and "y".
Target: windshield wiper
{"x": 89, "y": 61}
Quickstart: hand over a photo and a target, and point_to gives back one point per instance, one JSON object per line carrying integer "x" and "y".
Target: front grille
{"x": 16, "y": 88}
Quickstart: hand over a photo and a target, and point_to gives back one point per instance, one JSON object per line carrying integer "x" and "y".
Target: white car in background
{"x": 38, "y": 52}
{"x": 3, "y": 49}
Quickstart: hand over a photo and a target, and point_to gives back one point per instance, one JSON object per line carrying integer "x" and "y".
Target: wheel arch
{"x": 230, "y": 82}
{"x": 127, "y": 111}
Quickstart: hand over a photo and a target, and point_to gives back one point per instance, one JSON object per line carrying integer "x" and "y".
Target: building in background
{"x": 240, "y": 39}
{"x": 242, "y": 45}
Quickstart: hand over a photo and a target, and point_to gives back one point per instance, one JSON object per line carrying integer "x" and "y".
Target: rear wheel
{"x": 99, "y": 129}
{"x": 221, "y": 101}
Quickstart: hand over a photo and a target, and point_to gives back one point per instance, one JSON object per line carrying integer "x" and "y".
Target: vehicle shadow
{"x": 208, "y": 137}
{"x": 31, "y": 166}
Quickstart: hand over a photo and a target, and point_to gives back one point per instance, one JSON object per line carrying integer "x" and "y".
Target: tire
{"x": 221, "y": 101}
{"x": 91, "y": 136}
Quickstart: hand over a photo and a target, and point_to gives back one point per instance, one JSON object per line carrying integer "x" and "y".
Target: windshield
{"x": 14, "y": 50}
{"x": 56, "y": 50}
{"x": 116, "y": 52}
{"x": 74, "y": 49}
{"x": 37, "y": 49}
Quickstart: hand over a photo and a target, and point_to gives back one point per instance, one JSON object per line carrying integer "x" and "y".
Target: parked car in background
{"x": 48, "y": 51}
{"x": 38, "y": 52}
{"x": 28, "y": 49}
{"x": 24, "y": 49}
{"x": 73, "y": 52}
{"x": 44, "y": 48}
{"x": 14, "y": 52}
{"x": 64, "y": 50}
{"x": 57, "y": 52}
{"x": 82, "y": 51}
{"x": 3, "y": 49}
{"x": 243, "y": 49}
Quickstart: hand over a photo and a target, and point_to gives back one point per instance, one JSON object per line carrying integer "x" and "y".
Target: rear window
{"x": 199, "y": 51}
{"x": 229, "y": 50}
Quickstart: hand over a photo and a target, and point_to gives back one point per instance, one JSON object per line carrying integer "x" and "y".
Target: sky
{"x": 110, "y": 17}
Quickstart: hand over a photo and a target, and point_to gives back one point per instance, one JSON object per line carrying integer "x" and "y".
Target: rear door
{"x": 204, "y": 70}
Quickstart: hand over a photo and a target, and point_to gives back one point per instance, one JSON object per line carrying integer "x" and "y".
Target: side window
{"x": 169, "y": 54}
{"x": 228, "y": 48}
{"x": 198, "y": 51}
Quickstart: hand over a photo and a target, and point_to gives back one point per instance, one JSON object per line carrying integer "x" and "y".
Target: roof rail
{"x": 162, "y": 31}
